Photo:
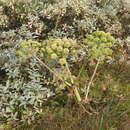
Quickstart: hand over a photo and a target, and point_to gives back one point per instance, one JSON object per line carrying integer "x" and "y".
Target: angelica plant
{"x": 99, "y": 48}
{"x": 57, "y": 50}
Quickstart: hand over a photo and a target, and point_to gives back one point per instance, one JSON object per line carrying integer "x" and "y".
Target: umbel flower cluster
{"x": 100, "y": 45}
{"x": 59, "y": 49}
{"x": 52, "y": 49}
{"x": 28, "y": 49}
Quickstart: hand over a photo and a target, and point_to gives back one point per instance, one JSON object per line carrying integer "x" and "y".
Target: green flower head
{"x": 100, "y": 44}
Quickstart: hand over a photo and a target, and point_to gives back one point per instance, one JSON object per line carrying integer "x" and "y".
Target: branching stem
{"x": 68, "y": 84}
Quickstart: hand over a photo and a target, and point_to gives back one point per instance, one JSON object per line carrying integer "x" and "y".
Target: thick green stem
{"x": 76, "y": 92}
{"x": 78, "y": 97}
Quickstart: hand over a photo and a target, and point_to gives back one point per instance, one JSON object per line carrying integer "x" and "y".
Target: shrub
{"x": 45, "y": 55}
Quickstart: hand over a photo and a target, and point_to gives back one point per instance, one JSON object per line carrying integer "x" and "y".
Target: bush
{"x": 62, "y": 52}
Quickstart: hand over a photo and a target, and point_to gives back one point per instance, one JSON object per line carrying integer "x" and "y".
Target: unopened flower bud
{"x": 54, "y": 56}
{"x": 62, "y": 61}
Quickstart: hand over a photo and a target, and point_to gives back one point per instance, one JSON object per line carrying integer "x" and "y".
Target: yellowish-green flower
{"x": 49, "y": 50}
{"x": 28, "y": 49}
{"x": 60, "y": 42}
{"x": 66, "y": 50}
{"x": 54, "y": 46}
{"x": 99, "y": 44}
{"x": 60, "y": 48}
{"x": 67, "y": 44}
{"x": 62, "y": 61}
{"x": 43, "y": 49}
{"x": 54, "y": 56}
{"x": 73, "y": 51}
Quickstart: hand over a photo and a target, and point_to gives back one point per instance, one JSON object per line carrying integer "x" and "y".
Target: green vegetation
{"x": 64, "y": 61}
{"x": 100, "y": 44}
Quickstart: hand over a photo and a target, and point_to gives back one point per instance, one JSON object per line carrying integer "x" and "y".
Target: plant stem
{"x": 91, "y": 80}
{"x": 68, "y": 84}
{"x": 76, "y": 92}
{"x": 80, "y": 71}
{"x": 47, "y": 67}
{"x": 77, "y": 95}
{"x": 70, "y": 75}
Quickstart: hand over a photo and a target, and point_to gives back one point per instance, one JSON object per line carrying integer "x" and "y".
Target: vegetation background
{"x": 31, "y": 94}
